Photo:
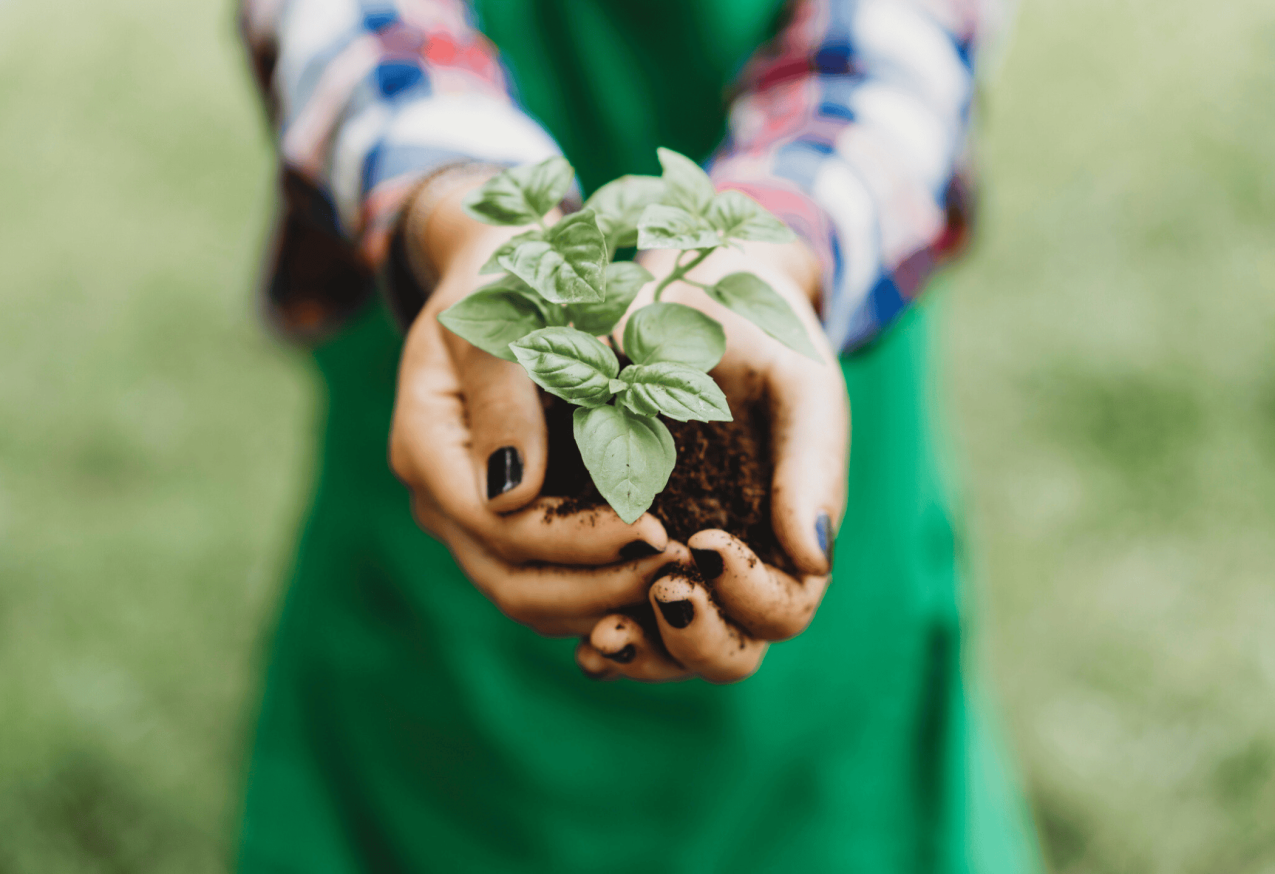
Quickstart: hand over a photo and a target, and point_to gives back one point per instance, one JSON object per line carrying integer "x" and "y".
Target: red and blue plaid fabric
{"x": 851, "y": 125}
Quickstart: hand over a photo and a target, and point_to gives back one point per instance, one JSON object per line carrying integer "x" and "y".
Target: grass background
{"x": 1109, "y": 350}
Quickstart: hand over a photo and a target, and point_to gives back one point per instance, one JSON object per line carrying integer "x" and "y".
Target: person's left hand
{"x": 470, "y": 443}
{"x": 720, "y": 631}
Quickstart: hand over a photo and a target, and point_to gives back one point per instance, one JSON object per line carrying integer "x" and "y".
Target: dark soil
{"x": 721, "y": 479}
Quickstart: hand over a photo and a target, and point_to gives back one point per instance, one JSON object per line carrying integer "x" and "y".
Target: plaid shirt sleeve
{"x": 367, "y": 97}
{"x": 851, "y": 126}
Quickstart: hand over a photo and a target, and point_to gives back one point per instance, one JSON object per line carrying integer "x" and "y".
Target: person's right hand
{"x": 469, "y": 441}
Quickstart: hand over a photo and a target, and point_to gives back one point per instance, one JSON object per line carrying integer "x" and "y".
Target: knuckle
{"x": 789, "y": 626}
{"x": 731, "y": 673}
{"x": 425, "y": 516}
{"x": 692, "y": 649}
{"x": 400, "y": 455}
{"x": 748, "y": 663}
{"x": 789, "y": 622}
{"x": 517, "y": 604}
{"x": 496, "y": 534}
{"x": 489, "y": 405}
{"x": 506, "y": 601}
{"x": 503, "y": 546}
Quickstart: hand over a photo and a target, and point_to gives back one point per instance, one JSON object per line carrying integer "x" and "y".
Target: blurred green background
{"x": 1110, "y": 381}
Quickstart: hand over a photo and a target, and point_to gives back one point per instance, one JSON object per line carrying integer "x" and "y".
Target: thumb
{"x": 508, "y": 438}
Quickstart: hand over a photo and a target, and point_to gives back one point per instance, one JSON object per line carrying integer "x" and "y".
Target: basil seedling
{"x": 559, "y": 291}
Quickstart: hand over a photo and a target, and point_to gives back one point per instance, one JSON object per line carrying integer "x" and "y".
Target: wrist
{"x": 798, "y": 261}
{"x": 437, "y": 230}
{"x": 791, "y": 269}
{"x": 443, "y": 241}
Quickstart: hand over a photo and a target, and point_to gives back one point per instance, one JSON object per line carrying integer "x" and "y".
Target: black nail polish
{"x": 709, "y": 562}
{"x": 637, "y": 549}
{"x": 624, "y": 656}
{"x": 827, "y": 540}
{"x": 504, "y": 471}
{"x": 677, "y": 613}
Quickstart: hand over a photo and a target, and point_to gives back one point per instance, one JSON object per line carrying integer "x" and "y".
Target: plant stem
{"x": 680, "y": 270}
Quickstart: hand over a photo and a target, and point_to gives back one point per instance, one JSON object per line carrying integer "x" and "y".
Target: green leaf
{"x": 740, "y": 217}
{"x": 686, "y": 184}
{"x": 567, "y": 266}
{"x": 619, "y": 205}
{"x": 679, "y": 391}
{"x": 756, "y": 301}
{"x": 624, "y": 279}
{"x": 629, "y": 456}
{"x": 671, "y": 227}
{"x": 507, "y": 248}
{"x": 520, "y": 195}
{"x": 496, "y": 315}
{"x": 673, "y": 332}
{"x": 568, "y": 363}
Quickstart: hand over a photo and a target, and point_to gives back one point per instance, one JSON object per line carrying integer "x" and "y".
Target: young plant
{"x": 560, "y": 291}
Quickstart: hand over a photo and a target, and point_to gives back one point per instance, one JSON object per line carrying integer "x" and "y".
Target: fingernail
{"x": 677, "y": 613}
{"x": 823, "y": 532}
{"x": 624, "y": 656}
{"x": 709, "y": 562}
{"x": 638, "y": 549}
{"x": 504, "y": 471}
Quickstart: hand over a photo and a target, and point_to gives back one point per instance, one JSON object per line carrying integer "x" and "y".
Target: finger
{"x": 593, "y": 536}
{"x": 593, "y": 664}
{"x": 543, "y": 532}
{"x": 556, "y": 600}
{"x": 810, "y": 433}
{"x": 430, "y": 452}
{"x": 508, "y": 438}
{"x": 698, "y": 635}
{"x": 768, "y": 602}
{"x": 633, "y": 653}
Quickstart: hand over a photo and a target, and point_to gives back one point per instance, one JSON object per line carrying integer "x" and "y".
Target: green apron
{"x": 408, "y": 726}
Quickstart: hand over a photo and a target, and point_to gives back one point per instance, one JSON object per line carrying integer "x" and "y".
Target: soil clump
{"x": 721, "y": 480}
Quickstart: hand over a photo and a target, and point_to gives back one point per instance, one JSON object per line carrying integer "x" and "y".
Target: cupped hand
{"x": 469, "y": 441}
{"x": 716, "y": 616}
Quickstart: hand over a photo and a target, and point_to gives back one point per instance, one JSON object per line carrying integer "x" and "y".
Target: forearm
{"x": 367, "y": 105}
{"x": 851, "y": 127}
